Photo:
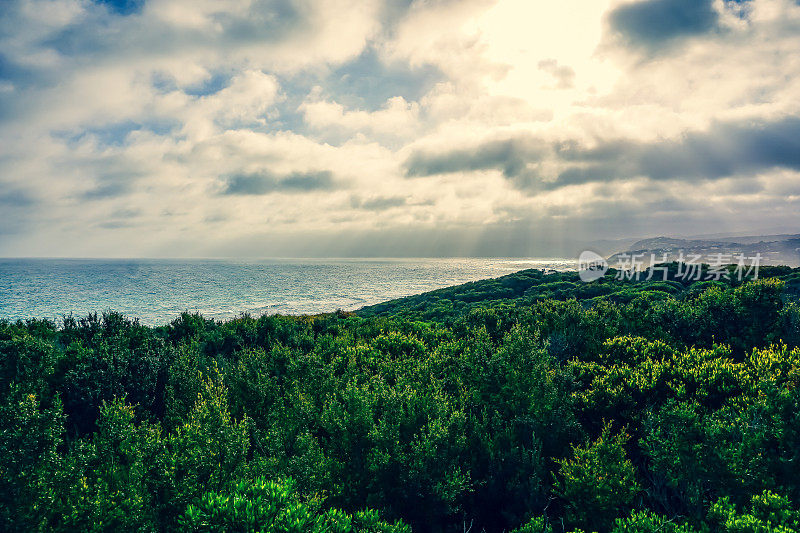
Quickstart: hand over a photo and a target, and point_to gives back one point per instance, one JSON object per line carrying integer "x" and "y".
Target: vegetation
{"x": 530, "y": 403}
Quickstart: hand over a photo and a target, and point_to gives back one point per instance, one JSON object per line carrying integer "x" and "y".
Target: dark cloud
{"x": 267, "y": 182}
{"x": 12, "y": 71}
{"x": 216, "y": 218}
{"x": 512, "y": 157}
{"x": 725, "y": 150}
{"x": 126, "y": 213}
{"x": 110, "y": 183}
{"x": 270, "y": 20}
{"x": 655, "y": 23}
{"x": 15, "y": 198}
{"x": 378, "y": 203}
{"x": 115, "y": 224}
{"x": 107, "y": 190}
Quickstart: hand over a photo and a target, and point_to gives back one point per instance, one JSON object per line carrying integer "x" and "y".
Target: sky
{"x": 390, "y": 128}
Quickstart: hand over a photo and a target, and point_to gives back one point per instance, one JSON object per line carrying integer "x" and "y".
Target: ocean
{"x": 156, "y": 291}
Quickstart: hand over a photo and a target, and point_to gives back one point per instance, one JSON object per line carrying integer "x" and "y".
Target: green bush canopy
{"x": 529, "y": 403}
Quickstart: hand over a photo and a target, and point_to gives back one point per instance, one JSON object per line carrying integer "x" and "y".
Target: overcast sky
{"x": 392, "y": 127}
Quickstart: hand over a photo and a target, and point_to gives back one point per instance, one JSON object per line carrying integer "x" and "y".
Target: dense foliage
{"x": 531, "y": 403}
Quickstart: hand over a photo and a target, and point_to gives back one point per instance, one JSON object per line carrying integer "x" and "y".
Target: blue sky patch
{"x": 123, "y": 7}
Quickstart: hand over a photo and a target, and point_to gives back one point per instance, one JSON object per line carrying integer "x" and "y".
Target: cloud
{"x": 725, "y": 150}
{"x": 107, "y": 190}
{"x": 126, "y": 213}
{"x": 397, "y": 119}
{"x": 245, "y": 100}
{"x": 377, "y": 203}
{"x": 653, "y": 24}
{"x": 209, "y": 114}
{"x": 563, "y": 74}
{"x": 15, "y": 199}
{"x": 511, "y": 156}
{"x": 266, "y": 183}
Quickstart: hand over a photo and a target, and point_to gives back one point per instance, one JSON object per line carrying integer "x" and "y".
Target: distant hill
{"x": 774, "y": 249}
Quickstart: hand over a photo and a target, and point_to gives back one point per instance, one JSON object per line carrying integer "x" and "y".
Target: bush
{"x": 598, "y": 482}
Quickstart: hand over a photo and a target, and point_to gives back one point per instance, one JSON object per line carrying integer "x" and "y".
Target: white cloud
{"x": 397, "y": 119}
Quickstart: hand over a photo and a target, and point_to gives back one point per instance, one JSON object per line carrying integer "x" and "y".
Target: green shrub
{"x": 598, "y": 482}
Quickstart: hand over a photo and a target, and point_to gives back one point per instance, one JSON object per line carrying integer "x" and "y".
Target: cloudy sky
{"x": 392, "y": 127}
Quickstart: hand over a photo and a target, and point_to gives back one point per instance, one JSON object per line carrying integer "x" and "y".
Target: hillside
{"x": 532, "y": 403}
{"x": 527, "y": 286}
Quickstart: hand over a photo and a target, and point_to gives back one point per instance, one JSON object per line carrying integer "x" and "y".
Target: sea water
{"x": 156, "y": 291}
